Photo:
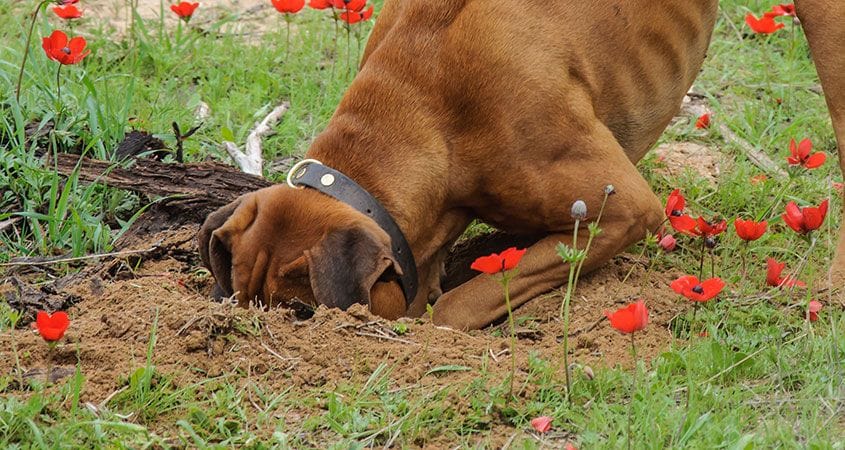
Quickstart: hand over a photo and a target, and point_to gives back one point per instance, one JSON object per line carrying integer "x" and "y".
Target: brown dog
{"x": 503, "y": 111}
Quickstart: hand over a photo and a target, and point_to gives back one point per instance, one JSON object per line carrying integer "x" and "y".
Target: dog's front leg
{"x": 630, "y": 213}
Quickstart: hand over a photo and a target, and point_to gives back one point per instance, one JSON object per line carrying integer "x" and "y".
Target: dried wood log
{"x": 205, "y": 184}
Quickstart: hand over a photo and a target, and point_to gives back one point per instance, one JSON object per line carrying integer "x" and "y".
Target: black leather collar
{"x": 314, "y": 174}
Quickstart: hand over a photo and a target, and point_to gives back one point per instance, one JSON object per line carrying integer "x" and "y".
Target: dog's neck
{"x": 382, "y": 136}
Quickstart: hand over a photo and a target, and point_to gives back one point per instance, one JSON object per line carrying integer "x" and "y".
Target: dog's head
{"x": 279, "y": 244}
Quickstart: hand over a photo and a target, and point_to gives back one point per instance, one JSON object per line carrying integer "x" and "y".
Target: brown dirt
{"x": 198, "y": 339}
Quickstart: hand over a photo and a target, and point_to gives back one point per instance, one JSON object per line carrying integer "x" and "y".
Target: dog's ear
{"x": 215, "y": 250}
{"x": 349, "y": 265}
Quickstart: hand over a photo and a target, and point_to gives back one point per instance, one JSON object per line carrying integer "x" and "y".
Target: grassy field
{"x": 764, "y": 377}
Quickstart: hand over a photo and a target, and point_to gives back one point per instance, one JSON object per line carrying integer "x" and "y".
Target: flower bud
{"x": 668, "y": 243}
{"x": 579, "y": 210}
{"x": 609, "y": 190}
{"x": 710, "y": 242}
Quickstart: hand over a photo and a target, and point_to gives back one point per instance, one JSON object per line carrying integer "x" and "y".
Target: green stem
{"x": 633, "y": 391}
{"x": 505, "y": 286}
{"x": 701, "y": 263}
{"x": 287, "y": 36}
{"x": 26, "y": 50}
{"x": 564, "y": 312}
{"x": 589, "y": 243}
{"x": 58, "y": 94}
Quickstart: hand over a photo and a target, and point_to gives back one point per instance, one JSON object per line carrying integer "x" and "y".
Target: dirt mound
{"x": 197, "y": 338}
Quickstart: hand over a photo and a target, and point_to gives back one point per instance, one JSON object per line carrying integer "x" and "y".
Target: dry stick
{"x": 251, "y": 161}
{"x": 78, "y": 258}
{"x": 757, "y": 157}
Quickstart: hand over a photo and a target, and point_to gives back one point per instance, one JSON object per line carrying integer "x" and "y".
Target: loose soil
{"x": 198, "y": 339}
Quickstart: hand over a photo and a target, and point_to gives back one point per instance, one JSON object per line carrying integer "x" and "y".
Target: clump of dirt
{"x": 196, "y": 338}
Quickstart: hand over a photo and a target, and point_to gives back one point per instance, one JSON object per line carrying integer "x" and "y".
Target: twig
{"x": 754, "y": 155}
{"x": 250, "y": 160}
{"x": 79, "y": 258}
{"x": 8, "y": 222}
{"x": 379, "y": 336}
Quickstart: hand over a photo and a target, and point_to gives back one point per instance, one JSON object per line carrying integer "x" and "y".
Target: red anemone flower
{"x": 703, "y": 291}
{"x": 804, "y": 220}
{"x": 542, "y": 424}
{"x": 184, "y": 10}
{"x": 629, "y": 319}
{"x": 749, "y": 230}
{"x": 67, "y": 12}
{"x": 799, "y": 155}
{"x": 781, "y": 10}
{"x": 58, "y": 48}
{"x": 495, "y": 263}
{"x": 763, "y": 25}
{"x": 773, "y": 278}
{"x": 675, "y": 204}
{"x": 350, "y": 5}
{"x": 708, "y": 229}
{"x": 813, "y": 310}
{"x": 288, "y": 6}
{"x": 51, "y": 327}
{"x": 320, "y": 4}
{"x": 351, "y": 16}
{"x": 703, "y": 121}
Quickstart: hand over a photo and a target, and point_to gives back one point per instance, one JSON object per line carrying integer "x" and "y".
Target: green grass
{"x": 764, "y": 379}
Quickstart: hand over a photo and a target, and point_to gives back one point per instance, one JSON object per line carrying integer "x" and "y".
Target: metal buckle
{"x": 296, "y": 170}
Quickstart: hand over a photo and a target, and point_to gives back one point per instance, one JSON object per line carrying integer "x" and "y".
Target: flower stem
{"x": 564, "y": 312}
{"x": 701, "y": 263}
{"x": 589, "y": 242}
{"x": 505, "y": 285}
{"x": 287, "y": 36}
{"x": 633, "y": 391}
{"x": 50, "y": 347}
{"x": 743, "y": 255}
{"x": 26, "y": 50}
{"x": 58, "y": 93}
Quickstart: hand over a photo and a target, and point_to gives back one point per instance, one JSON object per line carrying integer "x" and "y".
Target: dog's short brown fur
{"x": 504, "y": 111}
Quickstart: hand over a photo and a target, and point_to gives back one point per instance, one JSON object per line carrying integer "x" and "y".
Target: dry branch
{"x": 251, "y": 160}
{"x": 209, "y": 183}
{"x": 757, "y": 157}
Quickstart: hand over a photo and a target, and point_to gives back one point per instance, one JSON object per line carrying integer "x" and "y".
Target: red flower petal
{"x": 749, "y": 230}
{"x": 703, "y": 121}
{"x": 542, "y": 424}
{"x": 684, "y": 224}
{"x": 684, "y": 283}
{"x": 773, "y": 271}
{"x": 763, "y": 25}
{"x": 52, "y": 327}
{"x": 490, "y": 265}
{"x": 816, "y": 160}
{"x": 629, "y": 319}
{"x": 794, "y": 218}
{"x": 511, "y": 257}
{"x": 675, "y": 202}
{"x": 813, "y": 310}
